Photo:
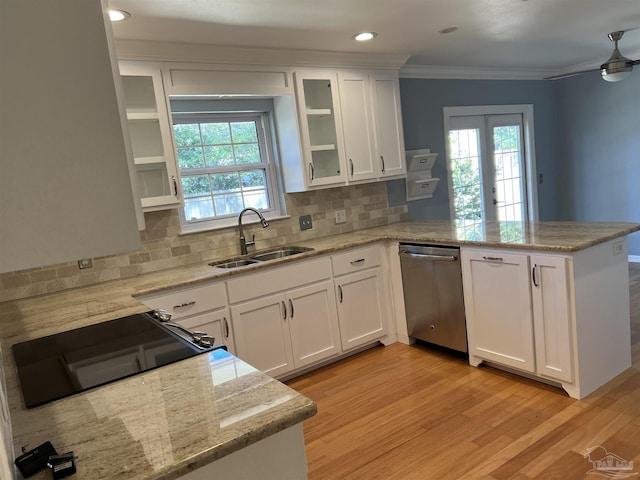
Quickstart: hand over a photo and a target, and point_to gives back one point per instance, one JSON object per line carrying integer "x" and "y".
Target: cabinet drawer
{"x": 188, "y": 300}
{"x": 275, "y": 280}
{"x": 355, "y": 260}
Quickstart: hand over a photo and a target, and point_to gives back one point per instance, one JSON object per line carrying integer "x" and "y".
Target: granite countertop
{"x": 163, "y": 423}
{"x": 149, "y": 426}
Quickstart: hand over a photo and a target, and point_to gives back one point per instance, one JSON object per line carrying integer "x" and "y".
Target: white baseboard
{"x": 634, "y": 258}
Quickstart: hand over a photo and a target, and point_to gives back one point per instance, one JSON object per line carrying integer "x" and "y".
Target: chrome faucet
{"x": 243, "y": 243}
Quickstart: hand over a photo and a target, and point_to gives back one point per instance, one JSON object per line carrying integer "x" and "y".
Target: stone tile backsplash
{"x": 163, "y": 247}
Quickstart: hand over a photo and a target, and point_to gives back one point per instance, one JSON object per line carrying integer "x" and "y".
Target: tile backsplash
{"x": 163, "y": 247}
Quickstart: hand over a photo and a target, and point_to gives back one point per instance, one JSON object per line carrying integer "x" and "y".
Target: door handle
{"x": 493, "y": 259}
{"x": 284, "y": 311}
{"x": 382, "y": 160}
{"x": 357, "y": 262}
{"x": 291, "y": 307}
{"x": 351, "y": 167}
{"x": 184, "y": 305}
{"x": 340, "y": 293}
{"x": 533, "y": 275}
{"x": 311, "y": 172}
{"x": 175, "y": 185}
{"x": 226, "y": 327}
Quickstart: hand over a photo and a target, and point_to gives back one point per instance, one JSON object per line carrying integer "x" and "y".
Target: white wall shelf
{"x": 420, "y": 184}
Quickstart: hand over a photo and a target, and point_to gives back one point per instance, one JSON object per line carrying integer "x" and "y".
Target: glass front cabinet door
{"x": 320, "y": 127}
{"x": 151, "y": 138}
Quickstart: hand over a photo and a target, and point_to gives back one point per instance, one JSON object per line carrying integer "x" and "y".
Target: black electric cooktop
{"x": 54, "y": 367}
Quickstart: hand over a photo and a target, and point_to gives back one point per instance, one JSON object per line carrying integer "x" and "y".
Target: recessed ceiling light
{"x": 364, "y": 36}
{"x": 118, "y": 15}
{"x": 448, "y": 30}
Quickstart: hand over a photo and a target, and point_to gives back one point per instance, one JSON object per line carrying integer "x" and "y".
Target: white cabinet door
{"x": 320, "y": 127}
{"x": 387, "y": 121}
{"x": 551, "y": 316}
{"x": 216, "y": 324}
{"x": 355, "y": 105}
{"x": 498, "y": 308}
{"x": 313, "y": 323}
{"x": 151, "y": 135}
{"x": 262, "y": 334}
{"x": 362, "y": 307}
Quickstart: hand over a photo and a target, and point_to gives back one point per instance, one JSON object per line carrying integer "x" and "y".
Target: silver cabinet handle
{"x": 493, "y": 259}
{"x": 351, "y": 166}
{"x": 311, "y": 172}
{"x": 533, "y": 275}
{"x": 382, "y": 160}
{"x": 186, "y": 304}
{"x": 226, "y": 327}
{"x": 284, "y": 311}
{"x": 291, "y": 307}
{"x": 340, "y": 293}
{"x": 175, "y": 185}
{"x": 357, "y": 262}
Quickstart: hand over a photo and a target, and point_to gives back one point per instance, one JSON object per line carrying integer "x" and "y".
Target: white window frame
{"x": 268, "y": 155}
{"x": 529, "y": 148}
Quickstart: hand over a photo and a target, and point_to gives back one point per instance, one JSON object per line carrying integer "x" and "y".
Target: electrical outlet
{"x": 305, "y": 222}
{"x": 85, "y": 263}
{"x": 341, "y": 216}
{"x": 618, "y": 248}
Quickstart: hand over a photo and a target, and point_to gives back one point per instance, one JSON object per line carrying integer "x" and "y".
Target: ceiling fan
{"x": 616, "y": 68}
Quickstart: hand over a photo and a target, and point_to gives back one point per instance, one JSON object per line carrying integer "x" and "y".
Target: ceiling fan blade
{"x": 570, "y": 74}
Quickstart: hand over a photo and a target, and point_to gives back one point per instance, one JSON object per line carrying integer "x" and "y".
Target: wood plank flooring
{"x": 412, "y": 412}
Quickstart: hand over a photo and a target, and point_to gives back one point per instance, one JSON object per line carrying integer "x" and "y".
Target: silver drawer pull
{"x": 357, "y": 262}
{"x": 492, "y": 259}
{"x": 187, "y": 304}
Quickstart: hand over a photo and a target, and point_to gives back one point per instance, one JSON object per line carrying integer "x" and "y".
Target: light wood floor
{"x": 411, "y": 412}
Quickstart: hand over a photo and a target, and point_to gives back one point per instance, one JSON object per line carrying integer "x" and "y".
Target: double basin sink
{"x": 272, "y": 254}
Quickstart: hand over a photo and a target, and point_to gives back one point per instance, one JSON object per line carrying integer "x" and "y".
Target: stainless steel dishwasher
{"x": 432, "y": 283}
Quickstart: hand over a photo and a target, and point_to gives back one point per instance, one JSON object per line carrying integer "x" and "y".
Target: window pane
{"x": 219, "y": 156}
{"x": 190, "y": 157}
{"x": 253, "y": 178}
{"x": 256, "y": 199}
{"x": 215, "y": 133}
{"x": 228, "y": 204}
{"x": 225, "y": 182}
{"x": 244, "y": 132}
{"x": 187, "y": 134}
{"x": 247, "y": 153}
{"x": 198, "y": 208}
{"x": 196, "y": 185}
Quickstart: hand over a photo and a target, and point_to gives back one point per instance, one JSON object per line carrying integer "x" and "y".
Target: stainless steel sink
{"x": 233, "y": 263}
{"x": 280, "y": 253}
{"x": 272, "y": 254}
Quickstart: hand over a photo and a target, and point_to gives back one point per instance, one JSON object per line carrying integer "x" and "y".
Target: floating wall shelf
{"x": 420, "y": 183}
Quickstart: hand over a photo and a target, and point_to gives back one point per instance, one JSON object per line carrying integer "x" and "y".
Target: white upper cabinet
{"x": 357, "y": 125}
{"x": 320, "y": 128}
{"x": 65, "y": 186}
{"x": 151, "y": 138}
{"x": 387, "y": 122}
{"x": 350, "y": 126}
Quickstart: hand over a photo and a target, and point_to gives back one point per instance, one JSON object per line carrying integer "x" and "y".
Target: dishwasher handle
{"x": 430, "y": 257}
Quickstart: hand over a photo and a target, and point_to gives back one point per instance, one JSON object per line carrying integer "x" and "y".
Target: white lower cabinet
{"x": 518, "y": 311}
{"x": 288, "y": 331}
{"x": 362, "y": 298}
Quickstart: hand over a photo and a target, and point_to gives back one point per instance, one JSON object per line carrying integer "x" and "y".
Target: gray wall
{"x": 599, "y": 150}
{"x": 422, "y": 104}
{"x": 587, "y": 142}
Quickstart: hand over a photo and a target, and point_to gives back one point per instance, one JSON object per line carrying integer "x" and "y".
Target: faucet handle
{"x": 251, "y": 242}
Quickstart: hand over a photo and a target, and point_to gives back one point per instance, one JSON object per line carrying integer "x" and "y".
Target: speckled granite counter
{"x": 173, "y": 419}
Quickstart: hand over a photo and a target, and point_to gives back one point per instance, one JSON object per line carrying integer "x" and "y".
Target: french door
{"x": 488, "y": 174}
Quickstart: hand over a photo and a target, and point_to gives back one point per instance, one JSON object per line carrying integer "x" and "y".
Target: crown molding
{"x": 217, "y": 54}
{"x": 472, "y": 73}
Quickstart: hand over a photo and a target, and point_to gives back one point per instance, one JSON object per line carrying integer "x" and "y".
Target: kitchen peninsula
{"x": 170, "y": 421}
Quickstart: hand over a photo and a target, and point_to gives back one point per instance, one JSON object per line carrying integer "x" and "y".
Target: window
{"x": 225, "y": 163}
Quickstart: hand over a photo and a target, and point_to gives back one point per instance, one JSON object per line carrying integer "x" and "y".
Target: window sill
{"x": 227, "y": 223}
